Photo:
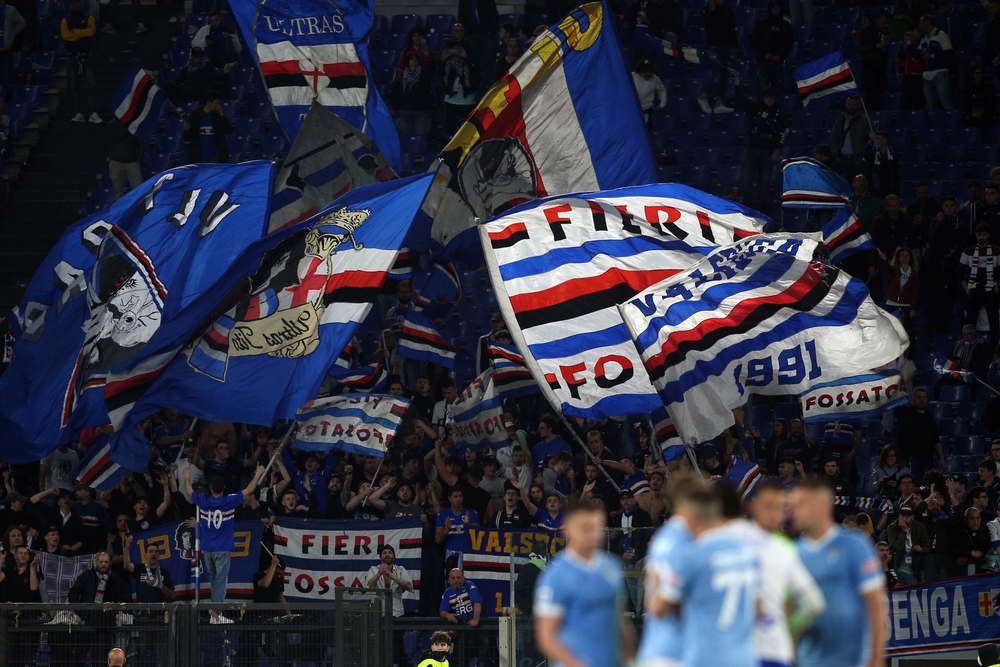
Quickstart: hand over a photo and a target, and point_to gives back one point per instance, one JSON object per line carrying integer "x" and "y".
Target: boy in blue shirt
{"x": 580, "y": 597}
{"x": 851, "y": 630}
{"x": 216, "y": 518}
{"x": 450, "y": 528}
{"x": 551, "y": 518}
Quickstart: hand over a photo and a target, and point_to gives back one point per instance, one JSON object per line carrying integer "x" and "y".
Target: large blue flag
{"x": 267, "y": 355}
{"x": 121, "y": 292}
{"x": 317, "y": 50}
{"x": 565, "y": 118}
{"x": 808, "y": 183}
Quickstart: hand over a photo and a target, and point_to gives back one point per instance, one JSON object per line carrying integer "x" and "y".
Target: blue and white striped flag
{"x": 808, "y": 183}
{"x": 356, "y": 423}
{"x": 512, "y": 377}
{"x": 477, "y": 417}
{"x": 138, "y": 103}
{"x": 830, "y": 75}
{"x": 561, "y": 265}
{"x": 845, "y": 235}
{"x": 670, "y": 443}
{"x": 370, "y": 379}
{"x": 97, "y": 470}
{"x": 754, "y": 322}
{"x": 420, "y": 339}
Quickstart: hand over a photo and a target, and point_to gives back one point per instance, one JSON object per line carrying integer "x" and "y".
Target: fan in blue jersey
{"x": 216, "y": 519}
{"x": 851, "y": 630}
{"x": 580, "y": 597}
{"x": 713, "y": 588}
{"x": 661, "y": 644}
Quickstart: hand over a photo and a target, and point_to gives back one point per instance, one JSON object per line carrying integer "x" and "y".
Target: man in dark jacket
{"x": 195, "y": 80}
{"x": 969, "y": 540}
{"x": 881, "y": 165}
{"x": 635, "y": 528}
{"x": 764, "y": 141}
{"x": 206, "y": 129}
{"x": 873, "y": 45}
{"x": 123, "y": 158}
{"x": 99, "y": 585}
{"x": 665, "y": 18}
{"x": 772, "y": 43}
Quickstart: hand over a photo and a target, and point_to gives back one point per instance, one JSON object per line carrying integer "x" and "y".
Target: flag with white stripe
{"x": 688, "y": 53}
{"x": 752, "y": 321}
{"x": 477, "y": 417}
{"x": 830, "y": 75}
{"x": 356, "y": 423}
{"x": 312, "y": 50}
{"x": 98, "y": 471}
{"x": 845, "y": 235}
{"x": 370, "y": 379}
{"x": 420, "y": 339}
{"x": 138, "y": 102}
{"x": 560, "y": 266}
{"x": 512, "y": 377}
{"x": 808, "y": 183}
{"x": 665, "y": 434}
{"x": 402, "y": 268}
{"x": 329, "y": 157}
{"x": 441, "y": 291}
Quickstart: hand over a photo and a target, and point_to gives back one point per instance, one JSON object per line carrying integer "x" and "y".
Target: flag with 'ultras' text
{"x": 830, "y": 75}
{"x": 859, "y": 397}
{"x": 267, "y": 355}
{"x": 753, "y": 321}
{"x": 329, "y": 158}
{"x": 315, "y": 50}
{"x": 808, "y": 183}
{"x": 543, "y": 129}
{"x": 560, "y": 266}
{"x": 477, "y": 417}
{"x": 138, "y": 103}
{"x": 356, "y": 423}
{"x": 121, "y": 293}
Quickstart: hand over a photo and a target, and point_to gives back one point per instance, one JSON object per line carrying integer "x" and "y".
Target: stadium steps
{"x": 54, "y": 183}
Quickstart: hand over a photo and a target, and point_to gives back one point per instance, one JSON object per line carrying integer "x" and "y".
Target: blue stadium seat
{"x": 969, "y": 445}
{"x": 786, "y": 411}
{"x": 955, "y": 394}
{"x": 687, "y": 140}
{"x": 665, "y": 173}
{"x": 932, "y": 135}
{"x": 178, "y": 57}
{"x": 240, "y": 76}
{"x": 949, "y": 172}
{"x": 941, "y": 411}
{"x": 172, "y": 143}
{"x": 950, "y": 120}
{"x": 231, "y": 110}
{"x": 21, "y": 112}
{"x": 239, "y": 143}
{"x": 251, "y": 126}
{"x": 953, "y": 427}
{"x": 516, "y": 19}
{"x": 258, "y": 110}
{"x": 966, "y": 136}
{"x": 732, "y": 122}
{"x": 381, "y": 24}
{"x": 415, "y": 145}
{"x": 157, "y": 162}
{"x": 439, "y": 23}
{"x": 403, "y": 22}
{"x": 945, "y": 153}
{"x": 31, "y": 95}
{"x": 729, "y": 174}
{"x": 911, "y": 120}
{"x": 711, "y": 156}
{"x": 698, "y": 122}
{"x": 273, "y": 145}
{"x": 535, "y": 20}
{"x": 696, "y": 175}
{"x": 102, "y": 196}
{"x": 395, "y": 41}
{"x": 721, "y": 139}
{"x": 663, "y": 122}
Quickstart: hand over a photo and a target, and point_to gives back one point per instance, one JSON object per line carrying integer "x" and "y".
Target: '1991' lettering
{"x": 789, "y": 365}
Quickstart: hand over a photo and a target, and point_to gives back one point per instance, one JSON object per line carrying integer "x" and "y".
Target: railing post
{"x": 4, "y": 618}
{"x": 338, "y": 625}
{"x": 390, "y": 641}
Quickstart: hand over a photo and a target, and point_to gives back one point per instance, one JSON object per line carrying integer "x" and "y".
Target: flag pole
{"x": 587, "y": 452}
{"x": 194, "y": 422}
{"x": 277, "y": 453}
{"x": 374, "y": 478}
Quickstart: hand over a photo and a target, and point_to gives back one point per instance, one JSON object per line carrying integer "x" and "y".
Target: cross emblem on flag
{"x": 987, "y": 602}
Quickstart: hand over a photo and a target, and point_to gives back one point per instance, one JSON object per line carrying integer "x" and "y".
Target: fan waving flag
{"x": 329, "y": 158}
{"x": 561, "y": 265}
{"x": 512, "y": 377}
{"x": 420, "y": 339}
{"x": 138, "y": 103}
{"x": 477, "y": 417}
{"x": 98, "y": 471}
{"x": 808, "y": 183}
{"x": 122, "y": 292}
{"x": 314, "y": 50}
{"x": 356, "y": 423}
{"x": 845, "y": 235}
{"x": 370, "y": 379}
{"x": 754, "y": 321}
{"x": 827, "y": 76}
{"x": 688, "y": 53}
{"x": 267, "y": 356}
{"x": 542, "y": 129}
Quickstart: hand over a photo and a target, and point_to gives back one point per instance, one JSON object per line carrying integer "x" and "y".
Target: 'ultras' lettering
{"x": 307, "y": 25}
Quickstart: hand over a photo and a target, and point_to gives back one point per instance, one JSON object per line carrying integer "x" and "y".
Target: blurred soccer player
{"x": 784, "y": 579}
{"x": 661, "y": 643}
{"x": 580, "y": 598}
{"x": 851, "y": 630}
{"x": 713, "y": 589}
